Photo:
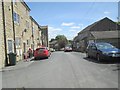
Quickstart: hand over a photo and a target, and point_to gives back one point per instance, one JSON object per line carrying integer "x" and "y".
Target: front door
{"x": 10, "y": 48}
{"x": 24, "y": 47}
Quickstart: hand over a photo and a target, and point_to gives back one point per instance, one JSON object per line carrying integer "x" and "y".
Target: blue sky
{"x": 69, "y": 18}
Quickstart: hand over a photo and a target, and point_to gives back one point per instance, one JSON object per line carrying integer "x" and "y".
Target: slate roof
{"x": 53, "y": 42}
{"x": 24, "y": 3}
{"x": 97, "y": 32}
{"x": 106, "y": 34}
{"x": 91, "y": 27}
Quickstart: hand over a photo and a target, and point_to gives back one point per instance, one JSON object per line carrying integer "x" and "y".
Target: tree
{"x": 62, "y": 41}
{"x": 52, "y": 39}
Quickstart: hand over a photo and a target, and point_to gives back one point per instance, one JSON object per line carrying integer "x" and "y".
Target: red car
{"x": 68, "y": 49}
{"x": 41, "y": 52}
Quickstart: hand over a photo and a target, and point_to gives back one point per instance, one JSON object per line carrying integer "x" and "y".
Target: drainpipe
{"x": 4, "y": 29}
{"x": 32, "y": 34}
{"x": 13, "y": 24}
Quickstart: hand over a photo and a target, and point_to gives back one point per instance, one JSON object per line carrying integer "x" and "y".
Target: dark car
{"x": 103, "y": 51}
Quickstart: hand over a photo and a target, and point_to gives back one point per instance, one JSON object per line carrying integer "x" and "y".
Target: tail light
{"x": 44, "y": 51}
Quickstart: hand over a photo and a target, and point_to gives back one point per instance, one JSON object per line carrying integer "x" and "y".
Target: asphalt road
{"x": 63, "y": 70}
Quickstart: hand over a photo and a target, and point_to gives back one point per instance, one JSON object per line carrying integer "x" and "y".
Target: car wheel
{"x": 98, "y": 57}
{"x": 87, "y": 55}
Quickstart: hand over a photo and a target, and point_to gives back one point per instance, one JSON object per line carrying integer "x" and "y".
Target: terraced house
{"x": 21, "y": 27}
{"x": 2, "y": 48}
{"x": 19, "y": 31}
{"x": 7, "y": 39}
{"x": 36, "y": 34}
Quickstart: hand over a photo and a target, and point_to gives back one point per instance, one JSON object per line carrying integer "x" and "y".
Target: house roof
{"x": 75, "y": 38}
{"x": 89, "y": 28}
{"x": 43, "y": 27}
{"x": 34, "y": 21}
{"x": 105, "y": 34}
{"x": 25, "y": 5}
{"x": 53, "y": 42}
{"x": 81, "y": 37}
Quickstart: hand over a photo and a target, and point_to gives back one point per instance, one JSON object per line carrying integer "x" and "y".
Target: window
{"x": 28, "y": 42}
{"x": 16, "y": 17}
{"x": 10, "y": 48}
{"x": 32, "y": 30}
{"x": 15, "y": 3}
{"x": 17, "y": 41}
{"x": 27, "y": 24}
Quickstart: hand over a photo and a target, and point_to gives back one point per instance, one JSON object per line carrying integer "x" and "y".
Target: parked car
{"x": 67, "y": 49}
{"x": 52, "y": 50}
{"x": 62, "y": 49}
{"x": 41, "y": 52}
{"x": 103, "y": 51}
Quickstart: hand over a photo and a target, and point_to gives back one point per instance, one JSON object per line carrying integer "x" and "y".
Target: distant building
{"x": 44, "y": 32}
{"x": 53, "y": 44}
{"x": 105, "y": 28}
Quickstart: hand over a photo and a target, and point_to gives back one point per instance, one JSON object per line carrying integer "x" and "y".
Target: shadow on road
{"x": 102, "y": 62}
{"x": 40, "y": 59}
{"x": 117, "y": 68}
{"x": 115, "y": 64}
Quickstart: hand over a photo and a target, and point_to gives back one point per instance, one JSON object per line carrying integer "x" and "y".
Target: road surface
{"x": 63, "y": 70}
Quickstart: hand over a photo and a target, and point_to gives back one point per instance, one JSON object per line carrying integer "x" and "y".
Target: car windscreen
{"x": 104, "y": 46}
{"x": 40, "y": 49}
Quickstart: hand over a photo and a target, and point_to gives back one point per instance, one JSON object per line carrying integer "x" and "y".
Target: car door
{"x": 94, "y": 51}
{"x": 89, "y": 50}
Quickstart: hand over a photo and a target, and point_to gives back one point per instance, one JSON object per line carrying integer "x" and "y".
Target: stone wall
{"x": 2, "y": 48}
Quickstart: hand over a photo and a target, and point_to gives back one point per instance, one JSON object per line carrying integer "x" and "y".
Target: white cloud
{"x": 75, "y": 27}
{"x": 67, "y": 24}
{"x": 106, "y": 12}
{"x": 53, "y": 29}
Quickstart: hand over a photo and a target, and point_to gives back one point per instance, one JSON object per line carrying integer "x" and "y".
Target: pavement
{"x": 19, "y": 65}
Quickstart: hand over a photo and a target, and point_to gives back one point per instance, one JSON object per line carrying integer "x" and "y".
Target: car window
{"x": 104, "y": 46}
{"x": 40, "y": 49}
{"x": 93, "y": 47}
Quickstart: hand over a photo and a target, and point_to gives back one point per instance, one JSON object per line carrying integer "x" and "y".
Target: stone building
{"x": 2, "y": 46}
{"x": 21, "y": 27}
{"x": 36, "y": 34}
{"x": 44, "y": 36}
{"x": 7, "y": 31}
{"x": 105, "y": 28}
{"x": 19, "y": 31}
